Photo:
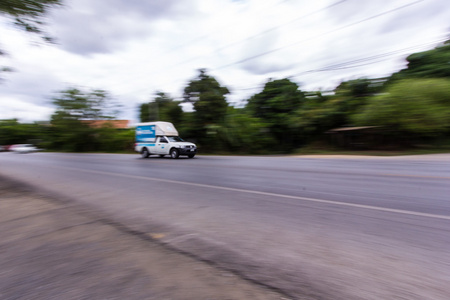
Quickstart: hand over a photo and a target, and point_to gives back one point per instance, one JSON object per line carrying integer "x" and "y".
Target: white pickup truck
{"x": 161, "y": 138}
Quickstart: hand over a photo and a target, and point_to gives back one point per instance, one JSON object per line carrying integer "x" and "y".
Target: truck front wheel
{"x": 174, "y": 153}
{"x": 145, "y": 153}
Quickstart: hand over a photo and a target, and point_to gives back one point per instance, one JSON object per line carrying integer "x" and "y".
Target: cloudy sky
{"x": 133, "y": 48}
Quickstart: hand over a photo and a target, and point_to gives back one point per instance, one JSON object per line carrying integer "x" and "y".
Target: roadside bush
{"x": 416, "y": 107}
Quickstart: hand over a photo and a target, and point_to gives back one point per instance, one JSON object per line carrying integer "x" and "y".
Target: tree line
{"x": 410, "y": 107}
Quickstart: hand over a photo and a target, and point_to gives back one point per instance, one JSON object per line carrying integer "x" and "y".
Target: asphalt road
{"x": 314, "y": 228}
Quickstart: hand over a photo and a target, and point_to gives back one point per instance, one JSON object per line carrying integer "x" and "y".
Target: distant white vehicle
{"x": 23, "y": 148}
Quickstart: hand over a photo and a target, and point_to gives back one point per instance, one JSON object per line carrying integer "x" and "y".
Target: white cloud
{"x": 134, "y": 48}
{"x": 24, "y": 110}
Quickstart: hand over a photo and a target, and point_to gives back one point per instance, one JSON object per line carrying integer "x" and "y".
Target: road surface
{"x": 313, "y": 228}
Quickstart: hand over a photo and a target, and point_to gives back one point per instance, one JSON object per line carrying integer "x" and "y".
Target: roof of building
{"x": 118, "y": 124}
{"x": 352, "y": 128}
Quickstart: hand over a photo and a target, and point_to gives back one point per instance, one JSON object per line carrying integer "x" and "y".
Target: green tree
{"x": 428, "y": 64}
{"x": 275, "y": 106}
{"x": 110, "y": 139}
{"x": 320, "y": 113}
{"x": 210, "y": 105}
{"x": 27, "y": 15}
{"x": 13, "y": 132}
{"x": 413, "y": 107}
{"x": 244, "y": 133}
{"x": 75, "y": 104}
{"x": 172, "y": 112}
{"x": 208, "y": 97}
{"x": 359, "y": 88}
{"x": 144, "y": 113}
{"x": 162, "y": 108}
{"x": 317, "y": 116}
{"x": 71, "y": 130}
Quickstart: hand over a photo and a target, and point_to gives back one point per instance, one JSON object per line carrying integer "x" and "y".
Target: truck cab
{"x": 161, "y": 138}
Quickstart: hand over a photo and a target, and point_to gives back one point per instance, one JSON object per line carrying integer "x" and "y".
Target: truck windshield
{"x": 175, "y": 139}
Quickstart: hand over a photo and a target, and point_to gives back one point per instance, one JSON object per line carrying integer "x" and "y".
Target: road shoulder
{"x": 52, "y": 250}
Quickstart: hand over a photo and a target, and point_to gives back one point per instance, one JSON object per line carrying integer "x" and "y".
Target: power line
{"x": 247, "y": 38}
{"x": 320, "y": 35}
{"x": 368, "y": 60}
{"x": 358, "y": 62}
{"x": 281, "y": 25}
{"x": 205, "y": 36}
{"x": 353, "y": 63}
{"x": 345, "y": 65}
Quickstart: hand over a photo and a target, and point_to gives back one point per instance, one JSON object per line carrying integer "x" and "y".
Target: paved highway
{"x": 314, "y": 228}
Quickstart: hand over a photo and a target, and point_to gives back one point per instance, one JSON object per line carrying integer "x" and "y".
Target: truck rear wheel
{"x": 145, "y": 153}
{"x": 174, "y": 153}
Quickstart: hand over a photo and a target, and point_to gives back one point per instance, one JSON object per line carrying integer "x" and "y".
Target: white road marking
{"x": 338, "y": 203}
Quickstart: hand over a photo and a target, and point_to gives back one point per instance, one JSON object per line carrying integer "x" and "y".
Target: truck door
{"x": 162, "y": 145}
